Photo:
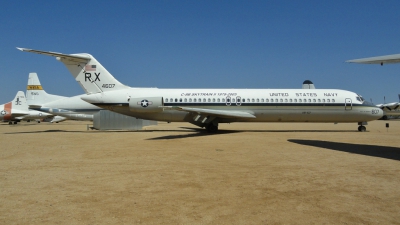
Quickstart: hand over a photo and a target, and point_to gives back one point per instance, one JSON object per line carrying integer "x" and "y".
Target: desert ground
{"x": 248, "y": 173}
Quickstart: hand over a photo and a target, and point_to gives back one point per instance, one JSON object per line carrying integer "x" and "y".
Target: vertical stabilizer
{"x": 89, "y": 73}
{"x": 35, "y": 94}
{"x": 307, "y": 84}
{"x": 19, "y": 103}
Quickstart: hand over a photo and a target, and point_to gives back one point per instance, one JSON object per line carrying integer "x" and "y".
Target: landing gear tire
{"x": 362, "y": 129}
{"x": 15, "y": 122}
{"x": 211, "y": 128}
{"x": 10, "y": 123}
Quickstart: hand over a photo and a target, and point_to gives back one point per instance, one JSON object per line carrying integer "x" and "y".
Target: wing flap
{"x": 213, "y": 112}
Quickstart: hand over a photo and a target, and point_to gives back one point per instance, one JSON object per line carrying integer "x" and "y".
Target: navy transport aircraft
{"x": 209, "y": 107}
{"x": 17, "y": 110}
{"x": 72, "y": 108}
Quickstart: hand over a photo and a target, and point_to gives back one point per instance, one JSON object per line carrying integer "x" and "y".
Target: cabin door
{"x": 348, "y": 104}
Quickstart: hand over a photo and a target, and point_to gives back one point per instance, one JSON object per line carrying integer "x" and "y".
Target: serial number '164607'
{"x": 108, "y": 85}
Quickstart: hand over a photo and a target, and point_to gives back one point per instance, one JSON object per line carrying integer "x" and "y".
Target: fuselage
{"x": 72, "y": 108}
{"x": 267, "y": 105}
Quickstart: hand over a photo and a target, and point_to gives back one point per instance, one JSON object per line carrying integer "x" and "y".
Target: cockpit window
{"x": 360, "y": 98}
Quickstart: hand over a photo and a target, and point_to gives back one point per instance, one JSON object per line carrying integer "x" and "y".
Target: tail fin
{"x": 35, "y": 94}
{"x": 17, "y": 107}
{"x": 308, "y": 84}
{"x": 19, "y": 103}
{"x": 87, "y": 71}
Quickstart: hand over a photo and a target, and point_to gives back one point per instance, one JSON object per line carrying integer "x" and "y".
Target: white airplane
{"x": 17, "y": 110}
{"x": 209, "y": 107}
{"x": 389, "y": 109}
{"x": 72, "y": 108}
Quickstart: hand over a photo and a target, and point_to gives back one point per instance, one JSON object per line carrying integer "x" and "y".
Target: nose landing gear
{"x": 362, "y": 128}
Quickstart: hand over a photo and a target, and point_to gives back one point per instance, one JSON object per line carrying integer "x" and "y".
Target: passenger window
{"x": 333, "y": 100}
{"x": 258, "y": 100}
{"x": 176, "y": 100}
{"x": 199, "y": 99}
{"x": 300, "y": 100}
{"x": 266, "y": 100}
{"x": 171, "y": 100}
{"x": 223, "y": 100}
{"x": 252, "y": 100}
{"x": 243, "y": 100}
{"x": 194, "y": 100}
{"x": 166, "y": 100}
{"x": 238, "y": 99}
{"x": 314, "y": 100}
{"x": 217, "y": 99}
{"x": 190, "y": 100}
{"x": 295, "y": 100}
{"x": 262, "y": 100}
{"x": 276, "y": 100}
{"x": 286, "y": 100}
{"x": 213, "y": 99}
{"x": 319, "y": 100}
{"x": 323, "y": 100}
{"x": 180, "y": 100}
{"x": 328, "y": 100}
{"x": 281, "y": 100}
{"x": 228, "y": 100}
{"x": 272, "y": 100}
{"x": 209, "y": 100}
{"x": 204, "y": 100}
{"x": 185, "y": 100}
{"x": 309, "y": 100}
{"x": 248, "y": 100}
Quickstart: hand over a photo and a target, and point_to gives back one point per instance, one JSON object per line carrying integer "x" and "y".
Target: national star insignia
{"x": 144, "y": 103}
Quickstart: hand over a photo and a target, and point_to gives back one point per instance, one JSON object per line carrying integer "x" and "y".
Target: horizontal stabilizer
{"x": 73, "y": 58}
{"x": 378, "y": 59}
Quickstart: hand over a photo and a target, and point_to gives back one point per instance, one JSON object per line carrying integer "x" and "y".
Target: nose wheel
{"x": 362, "y": 128}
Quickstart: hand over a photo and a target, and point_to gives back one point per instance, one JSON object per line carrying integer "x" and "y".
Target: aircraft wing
{"x": 73, "y": 57}
{"x": 378, "y": 59}
{"x": 18, "y": 113}
{"x": 389, "y": 106}
{"x": 213, "y": 112}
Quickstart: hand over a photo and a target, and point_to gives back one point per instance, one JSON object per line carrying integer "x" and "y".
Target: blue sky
{"x": 204, "y": 44}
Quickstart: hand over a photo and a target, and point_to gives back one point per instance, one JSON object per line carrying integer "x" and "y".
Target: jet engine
{"x": 146, "y": 104}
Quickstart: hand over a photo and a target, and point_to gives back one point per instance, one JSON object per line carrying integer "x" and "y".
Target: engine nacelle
{"x": 146, "y": 104}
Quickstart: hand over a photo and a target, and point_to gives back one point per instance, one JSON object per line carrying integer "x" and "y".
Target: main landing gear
{"x": 211, "y": 128}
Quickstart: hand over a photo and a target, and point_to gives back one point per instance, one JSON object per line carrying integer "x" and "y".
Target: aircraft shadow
{"x": 195, "y": 133}
{"x": 385, "y": 152}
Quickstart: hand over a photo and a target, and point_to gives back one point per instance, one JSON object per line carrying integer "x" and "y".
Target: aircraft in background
{"x": 389, "y": 109}
{"x": 17, "y": 110}
{"x": 308, "y": 84}
{"x": 210, "y": 107}
{"x": 72, "y": 108}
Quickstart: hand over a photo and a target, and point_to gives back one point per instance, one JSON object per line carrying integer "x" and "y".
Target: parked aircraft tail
{"x": 17, "y": 107}
{"x": 86, "y": 70}
{"x": 35, "y": 94}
